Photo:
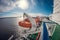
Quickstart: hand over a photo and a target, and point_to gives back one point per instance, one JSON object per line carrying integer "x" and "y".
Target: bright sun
{"x": 23, "y": 4}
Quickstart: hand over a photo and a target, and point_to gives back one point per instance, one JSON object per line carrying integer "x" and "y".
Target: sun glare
{"x": 23, "y": 4}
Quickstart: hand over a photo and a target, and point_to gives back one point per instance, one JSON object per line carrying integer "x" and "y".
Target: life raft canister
{"x": 26, "y": 23}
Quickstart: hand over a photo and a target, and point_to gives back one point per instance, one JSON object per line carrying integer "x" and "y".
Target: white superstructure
{"x": 56, "y": 12}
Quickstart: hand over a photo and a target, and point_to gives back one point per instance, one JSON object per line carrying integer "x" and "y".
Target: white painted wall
{"x": 56, "y": 12}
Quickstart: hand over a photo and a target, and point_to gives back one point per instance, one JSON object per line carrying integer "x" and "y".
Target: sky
{"x": 13, "y": 7}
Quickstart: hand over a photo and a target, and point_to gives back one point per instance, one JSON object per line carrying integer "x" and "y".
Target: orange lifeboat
{"x": 26, "y": 23}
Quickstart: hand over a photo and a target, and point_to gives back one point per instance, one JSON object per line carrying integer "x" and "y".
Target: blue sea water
{"x": 8, "y": 27}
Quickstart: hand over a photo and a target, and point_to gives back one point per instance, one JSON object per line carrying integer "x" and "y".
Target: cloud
{"x": 13, "y": 14}
{"x": 23, "y": 4}
{"x": 6, "y": 5}
{"x": 33, "y": 2}
{"x": 36, "y": 14}
{"x": 18, "y": 14}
